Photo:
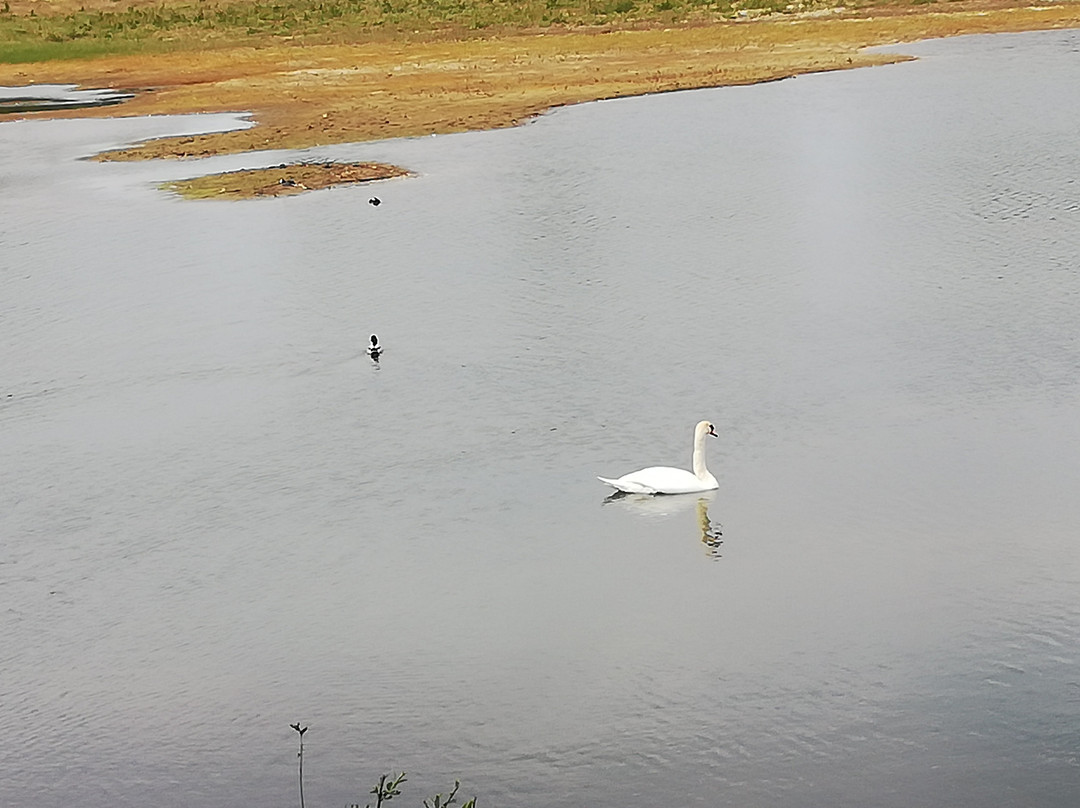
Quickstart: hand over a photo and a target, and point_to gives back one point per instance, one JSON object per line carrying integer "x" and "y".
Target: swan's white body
{"x": 668, "y": 480}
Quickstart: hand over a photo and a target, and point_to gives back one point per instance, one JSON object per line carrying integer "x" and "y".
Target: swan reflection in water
{"x": 649, "y": 505}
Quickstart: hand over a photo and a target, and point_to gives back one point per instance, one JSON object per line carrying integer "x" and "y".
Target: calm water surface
{"x": 218, "y": 516}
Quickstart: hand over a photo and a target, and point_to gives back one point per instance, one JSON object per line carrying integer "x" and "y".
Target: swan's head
{"x": 705, "y": 428}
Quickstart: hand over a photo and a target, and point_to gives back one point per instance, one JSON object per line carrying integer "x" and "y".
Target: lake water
{"x": 218, "y": 516}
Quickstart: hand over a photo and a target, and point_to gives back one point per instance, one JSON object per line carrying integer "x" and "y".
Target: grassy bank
{"x": 37, "y": 32}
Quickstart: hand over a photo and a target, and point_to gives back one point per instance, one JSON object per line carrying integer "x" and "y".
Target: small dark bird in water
{"x": 375, "y": 201}
{"x": 374, "y": 349}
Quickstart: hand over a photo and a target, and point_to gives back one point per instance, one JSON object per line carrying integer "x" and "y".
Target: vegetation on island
{"x": 285, "y": 179}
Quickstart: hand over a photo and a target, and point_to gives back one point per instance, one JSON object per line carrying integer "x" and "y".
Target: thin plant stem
{"x": 300, "y": 755}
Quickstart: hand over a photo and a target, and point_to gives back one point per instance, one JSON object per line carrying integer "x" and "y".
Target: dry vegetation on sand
{"x": 285, "y": 179}
{"x": 304, "y": 95}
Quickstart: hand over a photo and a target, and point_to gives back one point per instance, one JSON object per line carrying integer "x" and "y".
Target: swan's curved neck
{"x": 700, "y": 471}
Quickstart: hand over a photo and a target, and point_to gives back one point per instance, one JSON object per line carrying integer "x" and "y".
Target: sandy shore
{"x": 302, "y": 97}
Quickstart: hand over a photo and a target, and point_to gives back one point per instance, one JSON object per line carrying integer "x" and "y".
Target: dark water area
{"x": 219, "y": 516}
{"x": 55, "y": 96}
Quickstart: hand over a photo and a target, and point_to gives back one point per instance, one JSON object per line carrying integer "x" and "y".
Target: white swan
{"x": 667, "y": 480}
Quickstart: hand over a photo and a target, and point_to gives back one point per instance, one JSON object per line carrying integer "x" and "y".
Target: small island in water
{"x": 285, "y": 179}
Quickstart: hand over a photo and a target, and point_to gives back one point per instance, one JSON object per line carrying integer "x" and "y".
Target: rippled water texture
{"x": 218, "y": 516}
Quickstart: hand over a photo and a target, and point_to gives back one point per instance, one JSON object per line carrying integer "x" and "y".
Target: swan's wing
{"x": 627, "y": 484}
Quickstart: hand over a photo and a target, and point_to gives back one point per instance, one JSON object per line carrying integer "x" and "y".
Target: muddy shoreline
{"x": 300, "y": 97}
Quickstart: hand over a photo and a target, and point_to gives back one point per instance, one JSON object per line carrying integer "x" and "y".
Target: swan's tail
{"x": 606, "y": 481}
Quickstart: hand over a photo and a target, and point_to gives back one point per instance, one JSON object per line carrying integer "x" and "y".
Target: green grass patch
{"x": 766, "y": 6}
{"x": 36, "y": 51}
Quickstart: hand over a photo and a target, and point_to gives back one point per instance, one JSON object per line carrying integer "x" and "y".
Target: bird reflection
{"x": 666, "y": 505}
{"x": 711, "y": 534}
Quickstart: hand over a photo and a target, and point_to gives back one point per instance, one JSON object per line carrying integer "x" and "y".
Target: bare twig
{"x": 300, "y": 755}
